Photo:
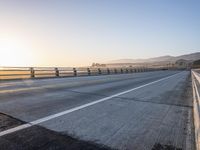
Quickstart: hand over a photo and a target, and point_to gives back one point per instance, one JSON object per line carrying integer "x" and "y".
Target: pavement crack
{"x": 131, "y": 99}
{"x": 87, "y": 93}
{"x": 147, "y": 101}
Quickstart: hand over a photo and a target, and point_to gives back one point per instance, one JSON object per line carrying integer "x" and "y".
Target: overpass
{"x": 143, "y": 110}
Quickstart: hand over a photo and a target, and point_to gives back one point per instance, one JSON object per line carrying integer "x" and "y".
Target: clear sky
{"x": 79, "y": 32}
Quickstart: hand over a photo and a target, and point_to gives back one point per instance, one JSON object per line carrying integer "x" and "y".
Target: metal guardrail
{"x": 196, "y": 105}
{"x": 47, "y": 72}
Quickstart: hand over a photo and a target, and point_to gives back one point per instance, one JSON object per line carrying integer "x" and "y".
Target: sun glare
{"x": 14, "y": 53}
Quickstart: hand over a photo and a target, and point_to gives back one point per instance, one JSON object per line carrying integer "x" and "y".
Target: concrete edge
{"x": 196, "y": 110}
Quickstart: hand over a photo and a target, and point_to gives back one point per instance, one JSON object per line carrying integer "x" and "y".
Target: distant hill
{"x": 193, "y": 56}
{"x": 167, "y": 58}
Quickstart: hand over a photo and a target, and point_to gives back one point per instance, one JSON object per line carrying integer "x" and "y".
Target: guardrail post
{"x": 121, "y": 70}
{"x": 56, "y": 72}
{"x": 131, "y": 70}
{"x": 108, "y": 70}
{"x": 32, "y": 71}
{"x": 89, "y": 72}
{"x": 115, "y": 70}
{"x": 99, "y": 71}
{"x": 75, "y": 71}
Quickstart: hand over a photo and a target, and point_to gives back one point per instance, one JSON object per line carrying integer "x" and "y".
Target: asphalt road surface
{"x": 144, "y": 111}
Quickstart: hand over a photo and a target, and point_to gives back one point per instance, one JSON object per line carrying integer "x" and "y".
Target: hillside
{"x": 167, "y": 58}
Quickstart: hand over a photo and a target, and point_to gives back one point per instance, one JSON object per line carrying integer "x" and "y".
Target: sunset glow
{"x": 15, "y": 52}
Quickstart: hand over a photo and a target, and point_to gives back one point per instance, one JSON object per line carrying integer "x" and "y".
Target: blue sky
{"x": 79, "y": 32}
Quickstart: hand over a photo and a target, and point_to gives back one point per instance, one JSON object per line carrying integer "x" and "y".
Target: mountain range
{"x": 190, "y": 57}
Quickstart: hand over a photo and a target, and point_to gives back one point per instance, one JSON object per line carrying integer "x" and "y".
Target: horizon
{"x": 78, "y": 33}
{"x": 106, "y": 62}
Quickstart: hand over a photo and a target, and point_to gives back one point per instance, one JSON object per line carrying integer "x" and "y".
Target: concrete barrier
{"x": 196, "y": 106}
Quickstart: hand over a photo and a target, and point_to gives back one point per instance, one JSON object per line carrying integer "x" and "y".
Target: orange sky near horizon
{"x": 19, "y": 52}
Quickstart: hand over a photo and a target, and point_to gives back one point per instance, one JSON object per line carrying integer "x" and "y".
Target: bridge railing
{"x": 196, "y": 105}
{"x": 48, "y": 72}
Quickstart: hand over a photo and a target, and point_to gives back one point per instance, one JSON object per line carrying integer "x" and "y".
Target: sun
{"x": 14, "y": 52}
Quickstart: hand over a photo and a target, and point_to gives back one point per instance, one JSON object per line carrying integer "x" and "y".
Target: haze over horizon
{"x": 79, "y": 32}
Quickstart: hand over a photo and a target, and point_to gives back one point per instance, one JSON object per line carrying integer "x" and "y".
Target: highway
{"x": 139, "y": 111}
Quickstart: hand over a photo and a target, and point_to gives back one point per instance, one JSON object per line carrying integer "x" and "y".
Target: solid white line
{"x": 27, "y": 125}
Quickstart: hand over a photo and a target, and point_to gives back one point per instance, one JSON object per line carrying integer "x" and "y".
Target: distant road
{"x": 128, "y": 111}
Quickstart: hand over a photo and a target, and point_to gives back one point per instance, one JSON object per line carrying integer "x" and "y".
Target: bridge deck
{"x": 155, "y": 113}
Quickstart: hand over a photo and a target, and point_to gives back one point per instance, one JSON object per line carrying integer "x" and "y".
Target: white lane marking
{"x": 27, "y": 125}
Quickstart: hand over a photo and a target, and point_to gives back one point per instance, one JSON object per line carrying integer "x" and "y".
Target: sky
{"x": 79, "y": 32}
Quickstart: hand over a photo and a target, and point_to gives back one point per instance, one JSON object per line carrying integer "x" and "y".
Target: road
{"x": 150, "y": 110}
